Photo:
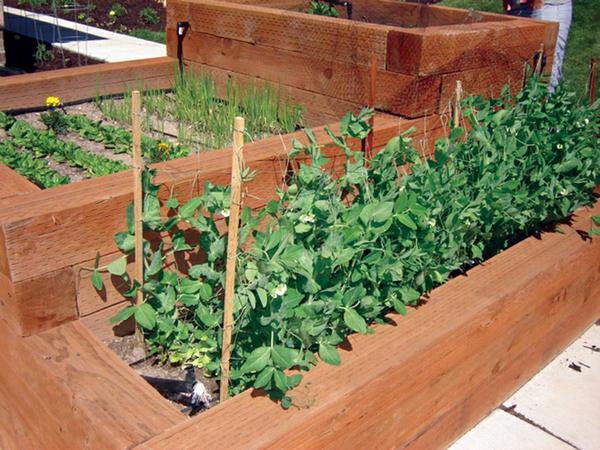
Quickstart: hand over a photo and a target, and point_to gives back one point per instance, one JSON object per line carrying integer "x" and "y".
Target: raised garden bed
{"x": 421, "y": 50}
{"x": 419, "y": 383}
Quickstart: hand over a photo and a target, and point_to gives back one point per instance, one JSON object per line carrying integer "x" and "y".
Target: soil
{"x": 175, "y": 383}
{"x": 96, "y": 13}
{"x": 20, "y": 56}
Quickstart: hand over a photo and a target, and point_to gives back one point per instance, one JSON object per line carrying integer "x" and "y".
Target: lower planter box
{"x": 419, "y": 382}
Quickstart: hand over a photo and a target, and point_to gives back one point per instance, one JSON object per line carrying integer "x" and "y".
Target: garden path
{"x": 79, "y": 38}
{"x": 557, "y": 409}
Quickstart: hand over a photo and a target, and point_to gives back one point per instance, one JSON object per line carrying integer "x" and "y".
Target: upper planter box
{"x": 421, "y": 50}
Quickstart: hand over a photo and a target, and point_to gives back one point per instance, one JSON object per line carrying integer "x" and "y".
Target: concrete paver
{"x": 81, "y": 38}
{"x": 503, "y": 431}
{"x": 559, "y": 408}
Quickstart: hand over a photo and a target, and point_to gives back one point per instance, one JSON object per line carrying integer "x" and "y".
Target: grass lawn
{"x": 584, "y": 39}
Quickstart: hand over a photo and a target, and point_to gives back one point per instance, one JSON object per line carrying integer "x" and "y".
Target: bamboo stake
{"x": 458, "y": 93}
{"x": 138, "y": 168}
{"x": 372, "y": 95}
{"x": 592, "y": 81}
{"x": 232, "y": 243}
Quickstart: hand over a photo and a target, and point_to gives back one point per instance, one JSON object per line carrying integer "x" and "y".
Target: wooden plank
{"x": 330, "y": 38}
{"x": 485, "y": 81}
{"x": 317, "y": 109}
{"x": 99, "y": 322}
{"x": 67, "y": 390}
{"x": 394, "y": 388}
{"x": 397, "y": 93}
{"x": 83, "y": 83}
{"x": 439, "y": 50}
{"x": 11, "y": 183}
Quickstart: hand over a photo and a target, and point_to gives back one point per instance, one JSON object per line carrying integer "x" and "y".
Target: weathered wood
{"x": 11, "y": 183}
{"x": 82, "y": 83}
{"x": 398, "y": 93}
{"x": 439, "y": 50}
{"x": 138, "y": 195}
{"x": 65, "y": 389}
{"x": 418, "y": 384}
{"x": 331, "y": 38}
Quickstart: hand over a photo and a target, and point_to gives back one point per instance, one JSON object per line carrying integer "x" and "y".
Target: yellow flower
{"x": 112, "y": 13}
{"x": 163, "y": 147}
{"x": 52, "y": 102}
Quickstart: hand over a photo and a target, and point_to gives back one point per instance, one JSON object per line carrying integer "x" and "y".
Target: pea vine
{"x": 333, "y": 255}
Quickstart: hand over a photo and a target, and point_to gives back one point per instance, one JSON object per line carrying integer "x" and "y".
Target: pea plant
{"x": 333, "y": 255}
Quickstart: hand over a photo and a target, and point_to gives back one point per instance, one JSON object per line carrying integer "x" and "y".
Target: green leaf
{"x": 125, "y": 241}
{"x": 399, "y": 307}
{"x": 329, "y": 354}
{"x": 280, "y": 380}
{"x": 257, "y": 360}
{"x": 97, "y": 280}
{"x": 123, "y": 315}
{"x": 172, "y": 203}
{"x": 145, "y": 315}
{"x": 264, "y": 377}
{"x": 207, "y": 318}
{"x": 286, "y": 402}
{"x": 596, "y": 219}
{"x": 283, "y": 357}
{"x": 156, "y": 264}
{"x": 405, "y": 220}
{"x": 354, "y": 321}
{"x": 189, "y": 209}
{"x": 263, "y": 297}
{"x": 294, "y": 380}
{"x": 118, "y": 267}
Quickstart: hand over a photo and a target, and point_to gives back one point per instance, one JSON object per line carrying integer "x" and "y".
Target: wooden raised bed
{"x": 421, "y": 50}
{"x": 417, "y": 383}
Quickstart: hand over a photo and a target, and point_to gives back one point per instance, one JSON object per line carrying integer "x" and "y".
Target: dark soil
{"x": 175, "y": 383}
{"x": 21, "y": 56}
{"x": 96, "y": 13}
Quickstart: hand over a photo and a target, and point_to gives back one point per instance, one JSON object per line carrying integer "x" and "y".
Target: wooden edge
{"x": 29, "y": 91}
{"x": 66, "y": 389}
{"x": 11, "y": 183}
{"x": 417, "y": 383}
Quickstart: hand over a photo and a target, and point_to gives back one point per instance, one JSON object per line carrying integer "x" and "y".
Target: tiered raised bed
{"x": 419, "y": 383}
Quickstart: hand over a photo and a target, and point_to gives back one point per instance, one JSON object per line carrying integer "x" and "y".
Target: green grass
{"x": 203, "y": 115}
{"x": 149, "y": 35}
{"x": 584, "y": 39}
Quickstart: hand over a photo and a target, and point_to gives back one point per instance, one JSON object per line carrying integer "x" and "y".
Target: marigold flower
{"x": 163, "y": 146}
{"x": 52, "y": 102}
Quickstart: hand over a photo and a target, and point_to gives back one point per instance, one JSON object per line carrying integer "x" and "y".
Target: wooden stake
{"x": 592, "y": 81}
{"x": 232, "y": 244}
{"x": 138, "y": 198}
{"x": 457, "y": 101}
{"x": 540, "y": 60}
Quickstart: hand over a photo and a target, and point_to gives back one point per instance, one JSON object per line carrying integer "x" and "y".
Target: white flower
{"x": 579, "y": 125}
{"x": 200, "y": 396}
{"x": 402, "y": 188}
{"x": 563, "y": 192}
{"x": 431, "y": 222}
{"x": 307, "y": 218}
{"x": 279, "y": 291}
{"x": 559, "y": 146}
{"x": 225, "y": 213}
{"x": 586, "y": 121}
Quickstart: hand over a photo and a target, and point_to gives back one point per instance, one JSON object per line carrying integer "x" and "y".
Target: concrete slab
{"x": 503, "y": 431}
{"x": 80, "y": 38}
{"x": 564, "y": 397}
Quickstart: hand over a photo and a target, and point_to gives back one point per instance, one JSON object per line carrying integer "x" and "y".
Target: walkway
{"x": 558, "y": 409}
{"x": 80, "y": 38}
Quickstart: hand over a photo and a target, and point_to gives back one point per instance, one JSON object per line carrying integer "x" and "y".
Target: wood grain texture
{"x": 446, "y": 49}
{"x": 417, "y": 384}
{"x": 330, "y": 38}
{"x": 65, "y": 389}
{"x": 400, "y": 94}
{"x": 82, "y": 83}
{"x": 11, "y": 183}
